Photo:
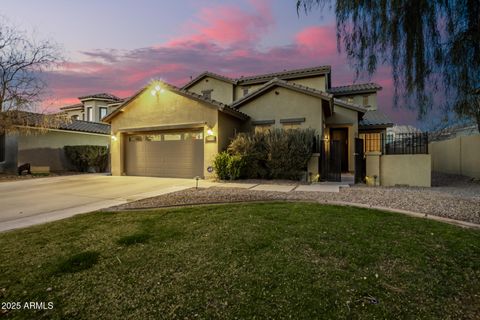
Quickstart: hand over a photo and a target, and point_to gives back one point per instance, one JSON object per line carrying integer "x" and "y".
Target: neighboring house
{"x": 454, "y": 131}
{"x": 176, "y": 132}
{"x": 397, "y": 130}
{"x": 93, "y": 107}
{"x": 45, "y": 147}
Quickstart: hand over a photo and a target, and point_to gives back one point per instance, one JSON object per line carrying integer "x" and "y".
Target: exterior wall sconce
{"x": 114, "y": 138}
{"x": 210, "y": 137}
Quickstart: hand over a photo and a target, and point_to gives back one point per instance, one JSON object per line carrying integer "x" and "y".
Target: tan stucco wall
{"x": 72, "y": 113}
{"x": 166, "y": 108}
{"x": 460, "y": 155}
{"x": 317, "y": 82}
{"x": 408, "y": 169}
{"x": 228, "y": 127}
{"x": 372, "y": 163}
{"x": 47, "y": 149}
{"x": 286, "y": 105}
{"x": 358, "y": 99}
{"x": 251, "y": 88}
{"x": 222, "y": 91}
{"x": 345, "y": 118}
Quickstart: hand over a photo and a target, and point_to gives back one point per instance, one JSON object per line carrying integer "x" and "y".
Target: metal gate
{"x": 330, "y": 160}
{"x": 360, "y": 167}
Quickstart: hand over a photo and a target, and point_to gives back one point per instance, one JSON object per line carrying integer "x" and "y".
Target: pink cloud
{"x": 228, "y": 25}
{"x": 317, "y": 40}
{"x": 223, "y": 39}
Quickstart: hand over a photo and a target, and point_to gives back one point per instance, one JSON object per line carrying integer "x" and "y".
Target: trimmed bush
{"x": 229, "y": 167}
{"x": 236, "y": 167}
{"x": 85, "y": 157}
{"x": 220, "y": 164}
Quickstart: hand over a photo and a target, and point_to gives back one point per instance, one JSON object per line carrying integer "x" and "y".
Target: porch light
{"x": 209, "y": 132}
{"x": 114, "y": 138}
{"x": 156, "y": 90}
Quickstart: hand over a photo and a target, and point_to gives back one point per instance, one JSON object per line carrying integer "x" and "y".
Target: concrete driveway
{"x": 28, "y": 202}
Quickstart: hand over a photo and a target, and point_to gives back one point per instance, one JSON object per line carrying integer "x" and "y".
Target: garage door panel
{"x": 173, "y": 158}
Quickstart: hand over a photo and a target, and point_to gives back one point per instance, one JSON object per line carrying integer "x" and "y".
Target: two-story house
{"x": 93, "y": 107}
{"x": 168, "y": 131}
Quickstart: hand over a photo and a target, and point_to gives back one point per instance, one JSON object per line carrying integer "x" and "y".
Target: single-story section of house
{"x": 44, "y": 147}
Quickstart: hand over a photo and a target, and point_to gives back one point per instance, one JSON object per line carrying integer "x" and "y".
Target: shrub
{"x": 220, "y": 164}
{"x": 277, "y": 153}
{"x": 84, "y": 157}
{"x": 229, "y": 167}
{"x": 253, "y": 150}
{"x": 236, "y": 167}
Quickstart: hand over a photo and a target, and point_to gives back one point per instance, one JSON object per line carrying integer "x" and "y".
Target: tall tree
{"x": 23, "y": 59}
{"x": 431, "y": 45}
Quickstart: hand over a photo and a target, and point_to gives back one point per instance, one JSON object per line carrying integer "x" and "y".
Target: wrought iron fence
{"x": 398, "y": 143}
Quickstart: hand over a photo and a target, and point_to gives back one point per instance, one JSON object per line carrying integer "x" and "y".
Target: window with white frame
{"x": 89, "y": 114}
{"x": 103, "y": 112}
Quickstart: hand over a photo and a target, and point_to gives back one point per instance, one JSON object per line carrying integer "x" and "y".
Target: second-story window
{"x": 89, "y": 114}
{"x": 75, "y": 117}
{"x": 365, "y": 100}
{"x": 245, "y": 91}
{"x": 103, "y": 112}
{"x": 350, "y": 100}
{"x": 207, "y": 94}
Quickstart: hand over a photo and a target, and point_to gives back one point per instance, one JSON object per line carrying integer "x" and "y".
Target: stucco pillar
{"x": 10, "y": 163}
{"x": 313, "y": 167}
{"x": 373, "y": 168}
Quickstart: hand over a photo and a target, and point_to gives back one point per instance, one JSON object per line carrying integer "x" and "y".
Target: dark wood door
{"x": 341, "y": 135}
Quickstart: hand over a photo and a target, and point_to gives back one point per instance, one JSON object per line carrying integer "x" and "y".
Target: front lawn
{"x": 267, "y": 260}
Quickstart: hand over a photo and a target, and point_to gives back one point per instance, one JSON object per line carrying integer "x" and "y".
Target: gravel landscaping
{"x": 456, "y": 198}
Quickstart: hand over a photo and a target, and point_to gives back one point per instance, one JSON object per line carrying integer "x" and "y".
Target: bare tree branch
{"x": 23, "y": 59}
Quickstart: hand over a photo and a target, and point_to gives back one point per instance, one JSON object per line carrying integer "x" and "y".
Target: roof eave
{"x": 286, "y": 77}
{"x": 207, "y": 74}
{"x": 375, "y": 126}
{"x": 279, "y": 83}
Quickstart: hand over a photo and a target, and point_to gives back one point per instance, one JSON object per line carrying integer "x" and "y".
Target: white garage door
{"x": 177, "y": 154}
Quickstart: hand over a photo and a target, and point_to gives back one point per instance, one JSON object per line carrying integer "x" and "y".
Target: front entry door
{"x": 341, "y": 135}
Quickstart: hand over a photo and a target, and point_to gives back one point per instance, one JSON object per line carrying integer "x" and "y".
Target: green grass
{"x": 264, "y": 261}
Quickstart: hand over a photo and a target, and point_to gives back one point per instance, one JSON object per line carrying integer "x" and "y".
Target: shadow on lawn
{"x": 134, "y": 239}
{"x": 78, "y": 262}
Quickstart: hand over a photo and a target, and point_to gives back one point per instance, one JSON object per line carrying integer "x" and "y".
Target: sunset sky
{"x": 119, "y": 46}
